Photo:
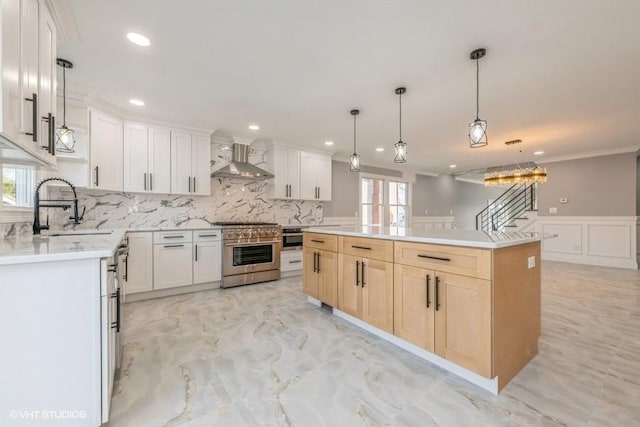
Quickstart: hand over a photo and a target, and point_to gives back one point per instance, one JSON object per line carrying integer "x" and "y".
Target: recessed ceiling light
{"x": 136, "y": 102}
{"x": 452, "y": 166}
{"x": 139, "y": 39}
{"x": 254, "y": 127}
{"x": 538, "y": 153}
{"x": 328, "y": 143}
{"x": 380, "y": 149}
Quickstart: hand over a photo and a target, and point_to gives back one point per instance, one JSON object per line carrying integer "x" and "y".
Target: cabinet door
{"x": 106, "y": 147}
{"x": 323, "y": 177}
{"x": 307, "y": 176}
{"x": 181, "y": 163}
{"x": 463, "y": 321}
{"x": 349, "y": 290}
{"x": 29, "y": 69}
{"x": 293, "y": 173}
{"x": 139, "y": 270}
{"x": 47, "y": 65}
{"x": 172, "y": 265}
{"x": 12, "y": 101}
{"x": 377, "y": 293}
{"x": 413, "y": 301}
{"x": 159, "y": 159}
{"x": 280, "y": 182}
{"x": 201, "y": 165}
{"x": 328, "y": 278}
{"x": 310, "y": 276}
{"x": 207, "y": 266}
{"x": 136, "y": 176}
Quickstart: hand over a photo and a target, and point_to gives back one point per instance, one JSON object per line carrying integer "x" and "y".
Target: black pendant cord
{"x": 354, "y": 134}
{"x": 64, "y": 97}
{"x": 400, "y": 121}
{"x": 477, "y": 89}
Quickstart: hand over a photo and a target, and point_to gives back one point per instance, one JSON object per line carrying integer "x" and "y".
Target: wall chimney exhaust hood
{"x": 240, "y": 168}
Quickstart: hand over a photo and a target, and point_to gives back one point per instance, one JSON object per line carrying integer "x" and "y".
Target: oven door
{"x": 241, "y": 258}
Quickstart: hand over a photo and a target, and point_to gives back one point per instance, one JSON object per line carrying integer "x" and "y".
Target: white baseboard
{"x": 491, "y": 385}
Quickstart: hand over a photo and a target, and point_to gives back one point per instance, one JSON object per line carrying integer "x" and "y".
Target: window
{"x": 18, "y": 185}
{"x": 384, "y": 201}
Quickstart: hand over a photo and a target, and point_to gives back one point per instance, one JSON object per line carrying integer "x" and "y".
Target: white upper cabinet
{"x": 284, "y": 163}
{"x": 315, "y": 176}
{"x": 106, "y": 151}
{"x": 29, "y": 70}
{"x": 147, "y": 159}
{"x": 47, "y": 81}
{"x": 11, "y": 123}
{"x": 190, "y": 164}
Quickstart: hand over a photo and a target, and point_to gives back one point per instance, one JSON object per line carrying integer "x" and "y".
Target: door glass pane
{"x": 258, "y": 254}
{"x": 372, "y": 191}
{"x": 403, "y": 217}
{"x": 403, "y": 188}
{"x": 393, "y": 193}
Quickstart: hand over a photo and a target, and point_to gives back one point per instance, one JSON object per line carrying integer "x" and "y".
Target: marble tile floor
{"x": 262, "y": 356}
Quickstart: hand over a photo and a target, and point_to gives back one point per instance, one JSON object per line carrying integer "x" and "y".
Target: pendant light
{"x": 400, "y": 147}
{"x": 478, "y": 128}
{"x": 354, "y": 160}
{"x": 65, "y": 141}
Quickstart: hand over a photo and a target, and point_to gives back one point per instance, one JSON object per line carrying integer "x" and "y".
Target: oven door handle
{"x": 272, "y": 242}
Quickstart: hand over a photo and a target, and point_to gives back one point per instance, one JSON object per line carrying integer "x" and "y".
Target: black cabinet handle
{"x": 49, "y": 147}
{"x": 437, "y": 293}
{"x": 318, "y": 262}
{"x": 172, "y": 237}
{"x": 145, "y": 181}
{"x": 434, "y": 257}
{"x": 357, "y": 273}
{"x": 189, "y": 184}
{"x": 362, "y": 275}
{"x": 96, "y": 181}
{"x": 295, "y": 261}
{"x": 150, "y": 182}
{"x": 126, "y": 269}
{"x": 34, "y": 117}
{"x": 208, "y": 235}
{"x": 427, "y": 285}
{"x": 196, "y": 253}
{"x": 314, "y": 262}
{"x": 52, "y": 134}
{"x": 116, "y": 325}
{"x": 173, "y": 246}
{"x": 317, "y": 241}
{"x": 194, "y": 184}
{"x": 361, "y": 247}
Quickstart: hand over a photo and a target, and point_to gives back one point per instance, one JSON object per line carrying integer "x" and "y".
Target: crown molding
{"x": 65, "y": 20}
{"x": 588, "y": 154}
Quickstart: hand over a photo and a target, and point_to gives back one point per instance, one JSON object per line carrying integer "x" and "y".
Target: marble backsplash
{"x": 8, "y": 230}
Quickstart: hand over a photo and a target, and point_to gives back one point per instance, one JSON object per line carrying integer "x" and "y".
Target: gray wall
{"x": 595, "y": 186}
{"x": 638, "y": 187}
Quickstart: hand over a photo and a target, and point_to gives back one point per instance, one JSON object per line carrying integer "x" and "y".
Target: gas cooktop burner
{"x": 232, "y": 223}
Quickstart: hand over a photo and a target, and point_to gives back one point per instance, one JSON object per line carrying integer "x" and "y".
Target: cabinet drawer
{"x": 328, "y": 242}
{"x": 290, "y": 260}
{"x": 160, "y": 237}
{"x": 367, "y": 247}
{"x": 207, "y": 235}
{"x": 452, "y": 259}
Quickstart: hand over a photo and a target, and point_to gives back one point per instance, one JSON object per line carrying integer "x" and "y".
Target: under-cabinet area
{"x": 473, "y": 310}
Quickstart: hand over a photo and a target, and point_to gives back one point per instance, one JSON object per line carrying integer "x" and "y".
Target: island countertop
{"x": 468, "y": 238}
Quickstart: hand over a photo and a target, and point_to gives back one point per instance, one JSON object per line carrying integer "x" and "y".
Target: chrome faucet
{"x": 60, "y": 204}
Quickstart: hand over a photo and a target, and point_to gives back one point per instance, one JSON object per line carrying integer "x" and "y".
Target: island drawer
{"x": 328, "y": 242}
{"x": 471, "y": 262}
{"x": 367, "y": 247}
{"x": 160, "y": 237}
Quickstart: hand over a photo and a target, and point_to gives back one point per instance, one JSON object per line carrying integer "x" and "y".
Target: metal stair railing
{"x": 511, "y": 204}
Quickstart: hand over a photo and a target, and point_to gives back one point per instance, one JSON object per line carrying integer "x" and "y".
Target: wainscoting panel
{"x": 568, "y": 240}
{"x": 609, "y": 240}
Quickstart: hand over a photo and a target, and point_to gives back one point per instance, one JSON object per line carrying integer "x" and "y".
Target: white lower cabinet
{"x": 139, "y": 267}
{"x": 207, "y": 256}
{"x": 172, "y": 265}
{"x": 291, "y": 261}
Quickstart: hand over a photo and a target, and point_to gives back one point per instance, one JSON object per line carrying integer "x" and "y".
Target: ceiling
{"x": 563, "y": 76}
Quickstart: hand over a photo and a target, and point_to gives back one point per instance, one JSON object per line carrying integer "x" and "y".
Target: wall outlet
{"x": 426, "y": 211}
{"x": 531, "y": 261}
{"x": 564, "y": 200}
{"x": 553, "y": 210}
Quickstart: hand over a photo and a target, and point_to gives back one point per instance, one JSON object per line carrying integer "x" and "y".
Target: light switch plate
{"x": 531, "y": 261}
{"x": 553, "y": 210}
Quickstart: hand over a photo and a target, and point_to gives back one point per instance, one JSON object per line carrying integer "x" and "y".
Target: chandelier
{"x": 520, "y": 173}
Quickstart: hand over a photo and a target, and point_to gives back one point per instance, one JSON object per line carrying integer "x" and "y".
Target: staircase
{"x": 515, "y": 208}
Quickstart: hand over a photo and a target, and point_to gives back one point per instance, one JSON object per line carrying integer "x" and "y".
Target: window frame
{"x": 13, "y": 214}
{"x": 385, "y": 197}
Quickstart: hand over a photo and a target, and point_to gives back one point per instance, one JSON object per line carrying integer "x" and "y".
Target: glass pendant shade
{"x": 354, "y": 163}
{"x": 65, "y": 141}
{"x": 478, "y": 133}
{"x": 400, "y": 152}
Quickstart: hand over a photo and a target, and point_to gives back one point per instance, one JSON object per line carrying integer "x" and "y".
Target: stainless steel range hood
{"x": 240, "y": 168}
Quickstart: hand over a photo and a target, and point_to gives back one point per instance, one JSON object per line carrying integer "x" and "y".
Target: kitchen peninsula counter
{"x": 467, "y": 301}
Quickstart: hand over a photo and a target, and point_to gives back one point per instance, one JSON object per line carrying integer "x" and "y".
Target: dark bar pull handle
{"x": 196, "y": 253}
{"x": 361, "y": 247}
{"x": 116, "y": 325}
{"x": 150, "y": 182}
{"x": 318, "y": 262}
{"x": 96, "y": 181}
{"x": 172, "y": 237}
{"x": 357, "y": 273}
{"x": 194, "y": 184}
{"x": 437, "y": 293}
{"x": 145, "y": 181}
{"x": 126, "y": 268}
{"x": 317, "y": 241}
{"x": 427, "y": 285}
{"x": 208, "y": 235}
{"x": 48, "y": 118}
{"x": 52, "y": 134}
{"x": 34, "y": 117}
{"x": 314, "y": 262}
{"x": 189, "y": 184}
{"x": 362, "y": 274}
{"x": 173, "y": 246}
{"x": 434, "y": 257}
{"x": 295, "y": 261}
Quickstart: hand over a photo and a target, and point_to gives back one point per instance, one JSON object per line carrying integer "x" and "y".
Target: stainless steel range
{"x": 251, "y": 253}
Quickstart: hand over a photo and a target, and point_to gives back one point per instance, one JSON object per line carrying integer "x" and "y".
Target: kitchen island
{"x": 467, "y": 301}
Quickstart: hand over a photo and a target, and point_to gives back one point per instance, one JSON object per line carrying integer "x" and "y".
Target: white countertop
{"x": 469, "y": 238}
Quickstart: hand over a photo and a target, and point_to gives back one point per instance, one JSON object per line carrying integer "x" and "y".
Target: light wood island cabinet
{"x": 477, "y": 307}
{"x": 321, "y": 267}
